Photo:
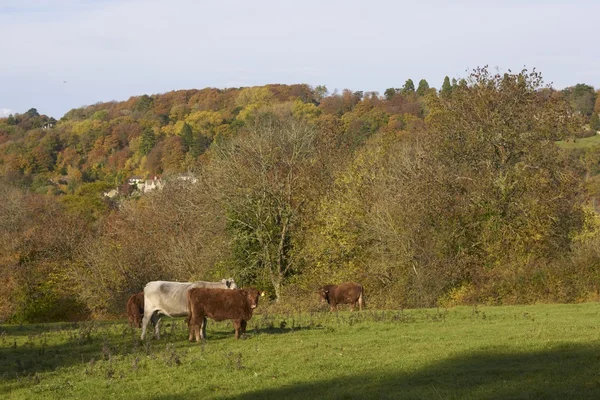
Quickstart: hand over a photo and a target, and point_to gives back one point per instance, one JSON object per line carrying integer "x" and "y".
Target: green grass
{"x": 516, "y": 352}
{"x": 583, "y": 143}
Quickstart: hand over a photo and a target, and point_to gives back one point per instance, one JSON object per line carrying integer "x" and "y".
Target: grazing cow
{"x": 170, "y": 299}
{"x": 346, "y": 293}
{"x": 135, "y": 309}
{"x": 220, "y": 304}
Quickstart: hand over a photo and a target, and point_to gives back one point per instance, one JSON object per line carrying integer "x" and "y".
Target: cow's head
{"x": 324, "y": 293}
{"x": 253, "y": 295}
{"x": 230, "y": 283}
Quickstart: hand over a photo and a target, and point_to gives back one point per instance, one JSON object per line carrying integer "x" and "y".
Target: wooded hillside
{"x": 427, "y": 197}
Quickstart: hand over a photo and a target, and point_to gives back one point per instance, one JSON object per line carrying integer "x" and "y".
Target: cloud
{"x": 5, "y": 112}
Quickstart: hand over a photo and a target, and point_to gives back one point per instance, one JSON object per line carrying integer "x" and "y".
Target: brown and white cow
{"x": 170, "y": 299}
{"x": 220, "y": 304}
{"x": 346, "y": 293}
{"x": 135, "y": 309}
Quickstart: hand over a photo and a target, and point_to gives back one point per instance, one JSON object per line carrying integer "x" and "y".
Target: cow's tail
{"x": 189, "y": 306}
{"x": 191, "y": 329}
{"x": 361, "y": 299}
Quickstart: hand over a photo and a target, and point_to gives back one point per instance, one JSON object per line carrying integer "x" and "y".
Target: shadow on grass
{"x": 34, "y": 329}
{"x": 562, "y": 372}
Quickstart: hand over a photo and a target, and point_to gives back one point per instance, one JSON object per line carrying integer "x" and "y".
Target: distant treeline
{"x": 425, "y": 196}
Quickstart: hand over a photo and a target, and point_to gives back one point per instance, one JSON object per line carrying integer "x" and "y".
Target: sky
{"x": 57, "y": 55}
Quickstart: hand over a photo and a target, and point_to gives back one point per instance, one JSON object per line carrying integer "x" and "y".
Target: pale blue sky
{"x": 110, "y": 50}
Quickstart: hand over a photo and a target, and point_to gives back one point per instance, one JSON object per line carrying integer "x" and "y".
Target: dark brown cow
{"x": 135, "y": 309}
{"x": 220, "y": 304}
{"x": 346, "y": 293}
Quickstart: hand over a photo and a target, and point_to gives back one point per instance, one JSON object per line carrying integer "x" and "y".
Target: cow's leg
{"x": 203, "y": 328}
{"x": 244, "y": 324}
{"x": 146, "y": 320}
{"x": 237, "y": 325}
{"x": 156, "y": 318}
{"x": 193, "y": 327}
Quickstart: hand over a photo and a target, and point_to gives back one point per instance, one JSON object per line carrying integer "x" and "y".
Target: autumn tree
{"x": 446, "y": 88}
{"x": 34, "y": 258}
{"x": 320, "y": 92}
{"x": 409, "y": 87}
{"x": 595, "y": 122}
{"x": 186, "y": 136}
{"x": 582, "y": 98}
{"x": 177, "y": 234}
{"x": 263, "y": 179}
{"x": 512, "y": 196}
{"x": 390, "y": 92}
{"x": 468, "y": 207}
{"x": 423, "y": 87}
{"x": 148, "y": 141}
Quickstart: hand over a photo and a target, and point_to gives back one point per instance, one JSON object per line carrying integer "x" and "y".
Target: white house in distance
{"x": 147, "y": 185}
{"x": 151, "y": 184}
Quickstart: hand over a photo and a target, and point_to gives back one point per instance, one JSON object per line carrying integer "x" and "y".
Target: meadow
{"x": 504, "y": 352}
{"x": 584, "y": 143}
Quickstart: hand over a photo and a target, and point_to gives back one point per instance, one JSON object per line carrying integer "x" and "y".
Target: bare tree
{"x": 264, "y": 179}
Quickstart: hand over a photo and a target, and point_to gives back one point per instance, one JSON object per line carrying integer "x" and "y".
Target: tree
{"x": 186, "y": 136}
{"x": 263, "y": 180}
{"x": 143, "y": 103}
{"x": 446, "y": 88}
{"x": 148, "y": 141}
{"x": 478, "y": 202}
{"x": 320, "y": 93}
{"x": 423, "y": 87}
{"x": 409, "y": 87}
{"x": 199, "y": 144}
{"x": 582, "y": 98}
{"x": 595, "y": 122}
{"x": 513, "y": 197}
{"x": 32, "y": 112}
{"x": 390, "y": 92}
{"x": 172, "y": 154}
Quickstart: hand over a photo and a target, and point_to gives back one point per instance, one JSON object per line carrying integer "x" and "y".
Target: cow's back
{"x": 347, "y": 292}
{"x": 221, "y": 304}
{"x": 167, "y": 297}
{"x": 170, "y": 298}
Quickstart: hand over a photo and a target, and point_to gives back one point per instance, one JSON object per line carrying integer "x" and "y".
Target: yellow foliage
{"x": 203, "y": 120}
{"x": 254, "y": 95}
{"x": 461, "y": 295}
{"x": 172, "y": 129}
{"x": 81, "y": 127}
{"x": 178, "y": 112}
{"x": 305, "y": 111}
{"x": 591, "y": 225}
{"x": 249, "y": 112}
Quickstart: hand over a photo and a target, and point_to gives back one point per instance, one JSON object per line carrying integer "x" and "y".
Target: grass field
{"x": 583, "y": 143}
{"x": 517, "y": 352}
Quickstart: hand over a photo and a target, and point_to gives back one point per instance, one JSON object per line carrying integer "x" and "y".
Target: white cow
{"x": 170, "y": 299}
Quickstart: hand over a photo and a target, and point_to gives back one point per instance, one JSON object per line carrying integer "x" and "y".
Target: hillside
{"x": 455, "y": 196}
